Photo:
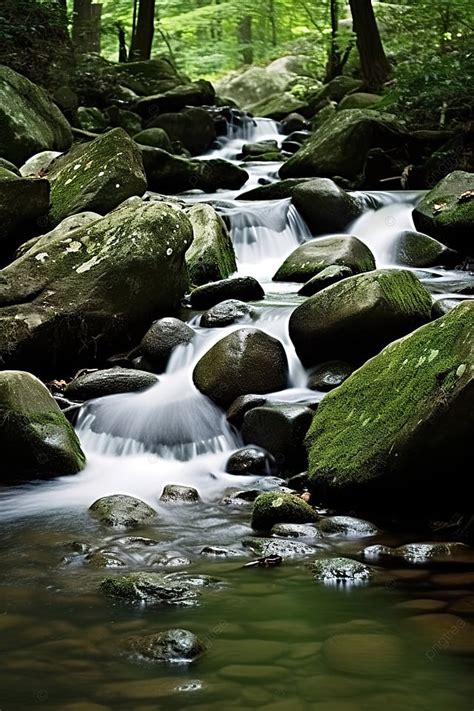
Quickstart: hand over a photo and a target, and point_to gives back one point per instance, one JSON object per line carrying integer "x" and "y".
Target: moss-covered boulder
{"x": 246, "y": 361}
{"x": 396, "y": 434}
{"x": 341, "y": 571}
{"x": 96, "y": 176}
{"x": 447, "y": 212}
{"x": 155, "y": 138}
{"x": 278, "y": 106}
{"x": 22, "y": 200}
{"x": 339, "y": 147}
{"x": 353, "y": 319}
{"x": 170, "y": 174}
{"x": 95, "y": 291}
{"x": 240, "y": 288}
{"x": 36, "y": 439}
{"x": 120, "y": 511}
{"x": 330, "y": 275}
{"x": 359, "y": 100}
{"x": 325, "y": 206}
{"x": 193, "y": 127}
{"x": 199, "y": 93}
{"x": 92, "y": 119}
{"x": 415, "y": 249}
{"x": 312, "y": 257}
{"x": 211, "y": 256}
{"x": 335, "y": 90}
{"x": 111, "y": 381}
{"x": 146, "y": 77}
{"x": 274, "y": 507}
{"x": 159, "y": 342}
{"x": 29, "y": 121}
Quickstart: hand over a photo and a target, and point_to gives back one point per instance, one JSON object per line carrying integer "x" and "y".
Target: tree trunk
{"x": 145, "y": 27}
{"x": 123, "y": 53}
{"x": 273, "y": 22}
{"x": 81, "y": 17}
{"x": 245, "y": 37}
{"x": 374, "y": 63}
{"x": 94, "y": 28}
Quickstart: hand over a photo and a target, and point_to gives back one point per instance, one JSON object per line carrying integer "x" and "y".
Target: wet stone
{"x": 242, "y": 405}
{"x": 226, "y": 313}
{"x": 329, "y": 375}
{"x": 341, "y": 571}
{"x": 265, "y": 547}
{"x": 176, "y": 494}
{"x": 155, "y": 588}
{"x": 252, "y": 461}
{"x": 421, "y": 606}
{"x": 176, "y": 646}
{"x": 122, "y": 511}
{"x": 347, "y": 527}
{"x": 296, "y": 530}
{"x": 378, "y": 655}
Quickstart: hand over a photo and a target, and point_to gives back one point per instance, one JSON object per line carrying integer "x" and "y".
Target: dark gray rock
{"x": 162, "y": 338}
{"x": 239, "y": 288}
{"x": 265, "y": 547}
{"x": 120, "y": 511}
{"x": 347, "y": 527}
{"x": 325, "y": 206}
{"x": 111, "y": 381}
{"x": 226, "y": 313}
{"x": 329, "y": 275}
{"x": 174, "y": 646}
{"x": 253, "y": 461}
{"x": 329, "y": 375}
{"x": 154, "y": 589}
{"x": 176, "y": 494}
{"x": 296, "y": 530}
{"x": 241, "y": 405}
{"x": 341, "y": 571}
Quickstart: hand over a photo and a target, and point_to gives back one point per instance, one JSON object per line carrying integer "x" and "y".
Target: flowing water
{"x": 269, "y": 633}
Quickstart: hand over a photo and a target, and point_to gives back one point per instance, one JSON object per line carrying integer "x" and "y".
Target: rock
{"x": 154, "y": 137}
{"x": 120, "y": 511}
{"x": 274, "y": 507}
{"x": 274, "y": 191}
{"x": 6, "y": 165}
{"x": 174, "y": 646}
{"x": 325, "y": 207}
{"x": 447, "y": 212}
{"x": 90, "y": 294}
{"x": 252, "y": 85}
{"x": 368, "y": 655}
{"x": 243, "y": 288}
{"x": 38, "y": 165}
{"x": 29, "y": 121}
{"x": 421, "y": 606}
{"x": 359, "y": 100}
{"x": 278, "y": 106}
{"x": 254, "y": 151}
{"x": 211, "y": 256}
{"x": 335, "y": 90}
{"x": 400, "y": 424}
{"x": 193, "y": 127}
{"x": 347, "y": 527}
{"x": 280, "y": 429}
{"x": 341, "y": 571}
{"x": 170, "y": 174}
{"x": 329, "y": 375}
{"x": 153, "y": 589}
{"x": 96, "y": 176}
{"x": 325, "y": 114}
{"x": 311, "y": 258}
{"x": 296, "y": 530}
{"x": 293, "y": 122}
{"x": 355, "y": 318}
{"x": 121, "y": 118}
{"x": 63, "y": 230}
{"x": 446, "y": 633}
{"x": 253, "y": 461}
{"x": 329, "y": 275}
{"x": 162, "y": 338}
{"x": 246, "y": 361}
{"x": 22, "y": 201}
{"x": 199, "y": 93}
{"x": 266, "y": 547}
{"x": 414, "y": 249}
{"x": 339, "y": 147}
{"x": 226, "y": 313}
{"x": 36, "y": 439}
{"x": 241, "y": 405}
{"x": 424, "y": 554}
{"x": 176, "y": 494}
{"x": 111, "y": 381}
{"x": 92, "y": 119}
{"x": 146, "y": 77}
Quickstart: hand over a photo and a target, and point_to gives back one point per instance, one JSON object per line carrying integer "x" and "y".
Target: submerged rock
{"x": 341, "y": 570}
{"x": 176, "y": 494}
{"x": 111, "y": 381}
{"x": 120, "y": 511}
{"x": 162, "y": 338}
{"x": 355, "y": 318}
{"x": 368, "y": 655}
{"x": 211, "y": 256}
{"x": 253, "y": 461}
{"x": 424, "y": 554}
{"x": 246, "y": 361}
{"x": 241, "y": 288}
{"x": 274, "y": 507}
{"x": 22, "y": 201}
{"x": 329, "y": 375}
{"x": 314, "y": 256}
{"x": 175, "y": 646}
{"x": 226, "y": 313}
{"x": 397, "y": 431}
{"x": 36, "y": 439}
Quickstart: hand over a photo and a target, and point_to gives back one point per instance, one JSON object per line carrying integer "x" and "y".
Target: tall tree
{"x": 245, "y": 37}
{"x": 142, "y": 39}
{"x": 374, "y": 63}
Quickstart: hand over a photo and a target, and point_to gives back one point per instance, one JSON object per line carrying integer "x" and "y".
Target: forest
{"x": 236, "y": 355}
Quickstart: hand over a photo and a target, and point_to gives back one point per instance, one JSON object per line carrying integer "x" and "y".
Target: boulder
{"x": 155, "y": 138}
{"x": 37, "y": 166}
{"x": 211, "y": 256}
{"x": 447, "y": 212}
{"x": 153, "y": 589}
{"x": 395, "y": 435}
{"x": 120, "y": 511}
{"x": 64, "y": 229}
{"x": 253, "y": 461}
{"x": 171, "y": 174}
{"x": 193, "y": 128}
{"x": 347, "y": 527}
{"x": 335, "y": 90}
{"x": 22, "y": 201}
{"x": 170, "y": 647}
{"x": 355, "y": 318}
{"x": 199, "y": 93}
{"x": 111, "y": 381}
{"x": 176, "y": 494}
{"x": 293, "y": 122}
{"x": 92, "y": 119}
{"x": 96, "y": 176}
{"x": 36, "y": 439}
{"x": 312, "y": 257}
{"x": 162, "y": 338}
{"x": 280, "y": 429}
{"x": 241, "y": 405}
{"x": 241, "y": 288}
{"x": 146, "y": 77}
{"x": 274, "y": 507}
{"x": 359, "y": 100}
{"x": 329, "y": 375}
{"x": 246, "y": 361}
{"x": 339, "y": 147}
{"x": 29, "y": 121}
{"x": 330, "y": 275}
{"x": 325, "y": 207}
{"x": 121, "y": 118}
{"x": 278, "y": 106}
{"x": 341, "y": 571}
{"x": 253, "y": 85}
{"x": 279, "y": 190}
{"x": 283, "y": 548}
{"x": 90, "y": 294}
{"x": 296, "y": 530}
{"x": 7, "y": 165}
{"x": 226, "y": 313}
{"x": 415, "y": 249}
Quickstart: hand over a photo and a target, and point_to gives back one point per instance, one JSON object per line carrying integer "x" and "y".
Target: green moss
{"x": 211, "y": 256}
{"x": 275, "y": 507}
{"x": 404, "y": 292}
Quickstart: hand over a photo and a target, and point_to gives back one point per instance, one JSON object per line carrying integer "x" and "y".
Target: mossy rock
{"x": 193, "y": 127}
{"x": 311, "y": 258}
{"x": 274, "y": 507}
{"x": 359, "y": 100}
{"x": 325, "y": 206}
{"x": 330, "y": 275}
{"x": 396, "y": 434}
{"x": 36, "y": 439}
{"x": 266, "y": 547}
{"x": 29, "y": 121}
{"x": 211, "y": 256}
{"x": 96, "y": 176}
{"x": 151, "y": 589}
{"x": 278, "y": 106}
{"x": 335, "y": 90}
{"x": 174, "y": 646}
{"x": 447, "y": 212}
{"x": 92, "y": 119}
{"x": 110, "y": 381}
{"x": 355, "y": 318}
{"x": 199, "y": 93}
{"x": 120, "y": 511}
{"x": 340, "y": 146}
{"x": 341, "y": 570}
{"x": 155, "y": 138}
{"x": 147, "y": 77}
{"x": 415, "y": 249}
{"x": 22, "y": 201}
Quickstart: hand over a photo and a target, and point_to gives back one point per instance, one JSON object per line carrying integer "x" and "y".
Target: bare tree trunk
{"x": 245, "y": 37}
{"x": 123, "y": 53}
{"x": 273, "y": 21}
{"x": 142, "y": 40}
{"x": 94, "y": 28}
{"x": 81, "y": 15}
{"x": 374, "y": 63}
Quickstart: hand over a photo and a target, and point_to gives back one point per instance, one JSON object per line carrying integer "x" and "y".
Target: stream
{"x": 266, "y": 630}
